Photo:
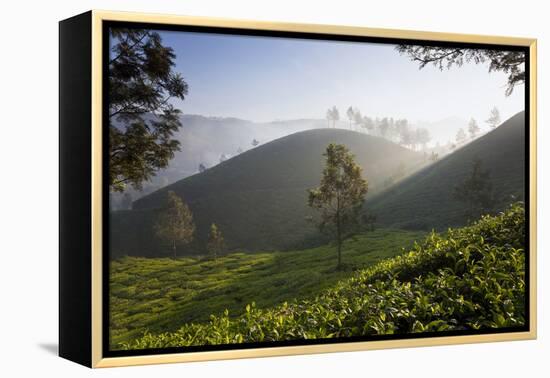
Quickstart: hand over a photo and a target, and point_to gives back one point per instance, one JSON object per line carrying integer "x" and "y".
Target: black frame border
{"x": 106, "y": 25}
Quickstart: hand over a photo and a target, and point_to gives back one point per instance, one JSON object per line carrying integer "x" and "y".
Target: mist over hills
{"x": 259, "y": 198}
{"x": 204, "y": 140}
{"x": 444, "y": 130}
{"x": 425, "y": 199}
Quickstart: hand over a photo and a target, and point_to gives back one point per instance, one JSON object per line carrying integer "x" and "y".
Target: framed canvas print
{"x": 236, "y": 189}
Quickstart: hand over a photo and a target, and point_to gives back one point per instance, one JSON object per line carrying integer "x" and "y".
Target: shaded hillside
{"x": 203, "y": 140}
{"x": 425, "y": 199}
{"x": 258, "y": 198}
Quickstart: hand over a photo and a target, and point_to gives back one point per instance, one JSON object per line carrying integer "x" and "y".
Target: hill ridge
{"x": 499, "y": 152}
{"x": 259, "y": 198}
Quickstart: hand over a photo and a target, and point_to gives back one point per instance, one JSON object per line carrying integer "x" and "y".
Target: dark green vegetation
{"x": 425, "y": 199}
{"x": 142, "y": 121}
{"x": 468, "y": 279}
{"x": 340, "y": 196}
{"x": 161, "y": 294}
{"x": 476, "y": 192}
{"x": 258, "y": 199}
{"x": 175, "y": 224}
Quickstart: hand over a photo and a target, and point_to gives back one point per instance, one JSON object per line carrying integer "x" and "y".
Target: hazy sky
{"x": 265, "y": 79}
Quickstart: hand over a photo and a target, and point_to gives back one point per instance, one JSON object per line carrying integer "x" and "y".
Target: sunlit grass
{"x": 160, "y": 294}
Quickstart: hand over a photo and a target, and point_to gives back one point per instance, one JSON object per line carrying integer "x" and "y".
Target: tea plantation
{"x": 469, "y": 278}
{"x": 160, "y": 294}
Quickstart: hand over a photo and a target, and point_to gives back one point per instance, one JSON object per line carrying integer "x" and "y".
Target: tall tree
{"x": 351, "y": 116}
{"x": 473, "y": 128}
{"x": 333, "y": 115}
{"x": 383, "y": 127}
{"x": 511, "y": 63}
{"x": 406, "y": 135}
{"x": 142, "y": 120}
{"x": 476, "y": 191}
{"x": 494, "y": 118}
{"x": 329, "y": 117}
{"x": 357, "y": 119}
{"x": 422, "y": 137}
{"x": 175, "y": 223}
{"x": 340, "y": 196}
{"x": 216, "y": 244}
{"x": 401, "y": 125}
{"x": 367, "y": 123}
{"x": 460, "y": 136}
{"x": 392, "y": 133}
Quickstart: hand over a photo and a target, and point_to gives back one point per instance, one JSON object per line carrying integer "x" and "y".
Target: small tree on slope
{"x": 175, "y": 224}
{"x": 340, "y": 195}
{"x": 216, "y": 244}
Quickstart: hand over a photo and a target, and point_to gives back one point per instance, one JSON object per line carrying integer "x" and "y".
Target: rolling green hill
{"x": 425, "y": 200}
{"x": 258, "y": 198}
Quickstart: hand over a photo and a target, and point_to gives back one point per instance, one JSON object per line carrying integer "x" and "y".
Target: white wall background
{"x": 28, "y": 197}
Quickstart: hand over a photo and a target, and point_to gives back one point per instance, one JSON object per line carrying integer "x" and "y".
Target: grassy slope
{"x": 469, "y": 279}
{"x": 259, "y": 198}
{"x": 425, "y": 200}
{"x": 161, "y": 294}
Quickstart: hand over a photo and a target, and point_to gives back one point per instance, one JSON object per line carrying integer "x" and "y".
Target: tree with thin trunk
{"x": 357, "y": 119}
{"x": 460, "y": 136}
{"x": 473, "y": 128}
{"x": 494, "y": 118}
{"x": 175, "y": 224}
{"x": 383, "y": 127}
{"x": 216, "y": 244}
{"x": 351, "y": 116}
{"x": 141, "y": 117}
{"x": 422, "y": 137}
{"x": 340, "y": 196}
{"x": 406, "y": 135}
{"x": 333, "y": 115}
{"x": 367, "y": 123}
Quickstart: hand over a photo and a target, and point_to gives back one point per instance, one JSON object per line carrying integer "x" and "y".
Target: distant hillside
{"x": 425, "y": 200}
{"x": 258, "y": 198}
{"x": 203, "y": 140}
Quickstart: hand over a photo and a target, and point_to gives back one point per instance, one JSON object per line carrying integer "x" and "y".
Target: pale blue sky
{"x": 265, "y": 78}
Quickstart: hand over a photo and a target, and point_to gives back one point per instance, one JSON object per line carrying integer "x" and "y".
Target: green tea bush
{"x": 470, "y": 278}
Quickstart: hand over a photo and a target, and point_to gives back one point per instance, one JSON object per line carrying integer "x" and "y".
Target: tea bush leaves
{"x": 469, "y": 278}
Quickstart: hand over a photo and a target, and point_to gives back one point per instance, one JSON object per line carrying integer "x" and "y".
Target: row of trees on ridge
{"x": 396, "y": 130}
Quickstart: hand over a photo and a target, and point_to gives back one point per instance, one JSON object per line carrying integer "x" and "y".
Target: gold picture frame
{"x": 90, "y": 329}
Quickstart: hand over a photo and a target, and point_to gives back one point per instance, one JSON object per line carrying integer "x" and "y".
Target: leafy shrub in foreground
{"x": 470, "y": 278}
